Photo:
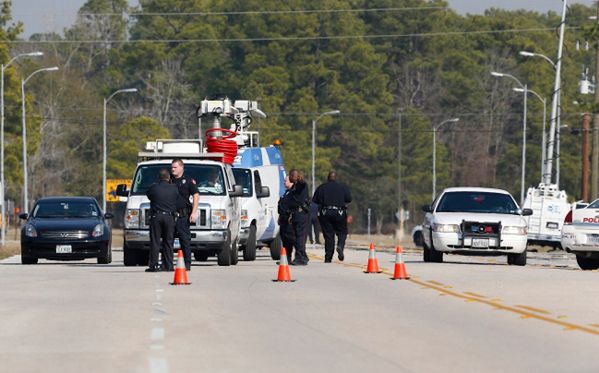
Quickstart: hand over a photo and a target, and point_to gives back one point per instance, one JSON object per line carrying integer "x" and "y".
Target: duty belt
{"x": 333, "y": 208}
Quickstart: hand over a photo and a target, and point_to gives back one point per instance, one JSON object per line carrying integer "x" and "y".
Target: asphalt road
{"x": 469, "y": 314}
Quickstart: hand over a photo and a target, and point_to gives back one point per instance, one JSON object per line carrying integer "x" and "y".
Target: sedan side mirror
{"x": 264, "y": 192}
{"x": 108, "y": 215}
{"x": 427, "y": 208}
{"x": 121, "y": 190}
{"x": 23, "y": 215}
{"x": 526, "y": 212}
{"x": 237, "y": 191}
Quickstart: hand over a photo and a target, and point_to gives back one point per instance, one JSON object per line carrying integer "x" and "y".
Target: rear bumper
{"x": 579, "y": 240}
{"x": 452, "y": 242}
{"x": 200, "y": 240}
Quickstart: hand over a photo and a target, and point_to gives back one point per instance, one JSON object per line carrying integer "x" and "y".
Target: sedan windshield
{"x": 477, "y": 202}
{"x": 66, "y": 209}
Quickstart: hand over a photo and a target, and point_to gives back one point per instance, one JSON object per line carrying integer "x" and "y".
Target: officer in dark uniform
{"x": 163, "y": 200}
{"x": 332, "y": 198}
{"x": 187, "y": 212}
{"x": 294, "y": 208}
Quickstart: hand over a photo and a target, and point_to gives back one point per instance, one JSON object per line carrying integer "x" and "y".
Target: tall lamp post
{"x": 314, "y": 121}
{"x": 544, "y": 102}
{"x": 525, "y": 90}
{"x": 435, "y": 129}
{"x": 3, "y": 67}
{"x": 126, "y": 90}
{"x": 558, "y": 120}
{"x": 25, "y": 186}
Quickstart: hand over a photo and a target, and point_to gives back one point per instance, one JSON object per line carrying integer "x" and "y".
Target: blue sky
{"x": 55, "y": 15}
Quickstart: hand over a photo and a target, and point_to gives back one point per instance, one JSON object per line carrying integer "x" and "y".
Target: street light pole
{"x": 25, "y": 186}
{"x": 126, "y": 90}
{"x": 524, "y": 88}
{"x": 314, "y": 121}
{"x": 3, "y": 67}
{"x": 435, "y": 129}
{"x": 544, "y": 138}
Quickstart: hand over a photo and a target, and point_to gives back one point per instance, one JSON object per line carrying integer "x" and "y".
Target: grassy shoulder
{"x": 9, "y": 249}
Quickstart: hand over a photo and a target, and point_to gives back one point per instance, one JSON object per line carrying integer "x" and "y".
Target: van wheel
{"x": 105, "y": 255}
{"x": 275, "y": 247}
{"x": 224, "y": 255}
{"x": 129, "y": 256}
{"x": 249, "y": 251}
{"x": 587, "y": 264}
{"x": 517, "y": 259}
{"x": 235, "y": 252}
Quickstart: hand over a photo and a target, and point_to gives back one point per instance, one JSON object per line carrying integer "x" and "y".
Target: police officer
{"x": 294, "y": 208}
{"x": 163, "y": 200}
{"x": 332, "y": 198}
{"x": 186, "y": 211}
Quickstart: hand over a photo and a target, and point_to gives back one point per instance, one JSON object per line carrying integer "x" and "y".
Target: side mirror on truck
{"x": 264, "y": 192}
{"x": 237, "y": 191}
{"x": 526, "y": 212}
{"x": 121, "y": 190}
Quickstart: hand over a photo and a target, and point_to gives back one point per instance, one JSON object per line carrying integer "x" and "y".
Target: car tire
{"x": 517, "y": 259}
{"x": 25, "y": 259}
{"x": 223, "y": 258}
{"x": 129, "y": 256}
{"x": 249, "y": 251}
{"x": 235, "y": 252}
{"x": 275, "y": 247}
{"x": 105, "y": 256}
{"x": 200, "y": 256}
{"x": 418, "y": 239}
{"x": 587, "y": 264}
{"x": 429, "y": 254}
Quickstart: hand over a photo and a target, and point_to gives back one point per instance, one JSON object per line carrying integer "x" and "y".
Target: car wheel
{"x": 517, "y": 259}
{"x": 105, "y": 255}
{"x": 224, "y": 256}
{"x": 587, "y": 264}
{"x": 429, "y": 254}
{"x": 25, "y": 259}
{"x": 275, "y": 247}
{"x": 249, "y": 251}
{"x": 200, "y": 256}
{"x": 129, "y": 256}
{"x": 418, "y": 240}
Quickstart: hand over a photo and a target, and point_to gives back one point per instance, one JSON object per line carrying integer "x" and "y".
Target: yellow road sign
{"x": 111, "y": 185}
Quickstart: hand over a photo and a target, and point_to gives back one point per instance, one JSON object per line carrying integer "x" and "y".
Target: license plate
{"x": 64, "y": 249}
{"x": 480, "y": 242}
{"x": 593, "y": 239}
{"x": 177, "y": 244}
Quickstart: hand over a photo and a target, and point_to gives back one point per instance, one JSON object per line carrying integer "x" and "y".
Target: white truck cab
{"x": 261, "y": 172}
{"x": 550, "y": 206}
{"x": 216, "y": 231}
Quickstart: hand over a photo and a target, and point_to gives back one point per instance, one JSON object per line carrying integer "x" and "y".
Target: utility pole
{"x": 595, "y": 155}
{"x": 586, "y": 126}
{"x": 400, "y": 210}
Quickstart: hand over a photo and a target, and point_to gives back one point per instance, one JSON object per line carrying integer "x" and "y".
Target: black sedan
{"x": 66, "y": 228}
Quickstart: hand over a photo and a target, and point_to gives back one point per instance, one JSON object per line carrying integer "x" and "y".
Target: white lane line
{"x": 157, "y": 334}
{"x": 156, "y": 347}
{"x": 158, "y": 365}
{"x": 159, "y": 290}
{"x": 156, "y": 304}
{"x": 156, "y": 319}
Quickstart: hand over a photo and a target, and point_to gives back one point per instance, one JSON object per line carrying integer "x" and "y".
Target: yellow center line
{"x": 493, "y": 303}
{"x": 474, "y": 294}
{"x": 534, "y": 309}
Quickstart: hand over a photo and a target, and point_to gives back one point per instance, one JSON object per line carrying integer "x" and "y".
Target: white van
{"x": 260, "y": 171}
{"x": 216, "y": 231}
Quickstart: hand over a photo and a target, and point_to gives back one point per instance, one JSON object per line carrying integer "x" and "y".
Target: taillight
{"x": 568, "y": 219}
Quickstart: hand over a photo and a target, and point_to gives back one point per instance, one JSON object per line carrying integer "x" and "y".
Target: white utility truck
{"x": 549, "y": 206}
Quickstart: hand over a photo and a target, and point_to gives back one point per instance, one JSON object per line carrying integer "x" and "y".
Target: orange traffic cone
{"x": 180, "y": 273}
{"x": 400, "y": 272}
{"x": 373, "y": 263}
{"x": 284, "y": 274}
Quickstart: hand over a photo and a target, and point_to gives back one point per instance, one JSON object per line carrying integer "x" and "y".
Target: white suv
{"x": 475, "y": 221}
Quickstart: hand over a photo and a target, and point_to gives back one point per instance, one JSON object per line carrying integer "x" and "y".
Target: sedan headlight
{"x": 30, "y": 231}
{"x": 219, "y": 219}
{"x": 245, "y": 219}
{"x": 98, "y": 230}
{"x": 510, "y": 229}
{"x": 446, "y": 228}
{"x": 132, "y": 218}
